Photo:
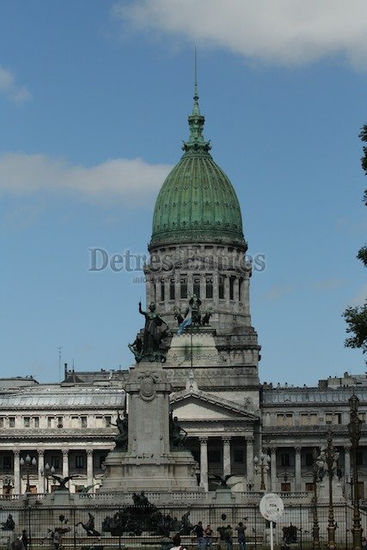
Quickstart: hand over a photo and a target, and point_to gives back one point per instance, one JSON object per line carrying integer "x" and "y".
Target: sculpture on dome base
{"x": 150, "y": 345}
{"x": 193, "y": 315}
{"x": 177, "y": 435}
{"x": 122, "y": 438}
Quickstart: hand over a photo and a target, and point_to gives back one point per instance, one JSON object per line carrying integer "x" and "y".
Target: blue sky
{"x": 94, "y": 98}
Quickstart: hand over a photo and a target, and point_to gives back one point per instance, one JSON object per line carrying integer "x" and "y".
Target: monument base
{"x": 130, "y": 473}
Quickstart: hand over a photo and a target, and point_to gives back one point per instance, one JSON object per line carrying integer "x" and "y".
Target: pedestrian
{"x": 222, "y": 538}
{"x": 199, "y": 532}
{"x": 177, "y": 543}
{"x": 24, "y": 539}
{"x": 241, "y": 536}
{"x": 228, "y": 534}
{"x": 208, "y": 537}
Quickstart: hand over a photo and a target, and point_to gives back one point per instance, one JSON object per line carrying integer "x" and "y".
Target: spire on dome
{"x": 196, "y": 123}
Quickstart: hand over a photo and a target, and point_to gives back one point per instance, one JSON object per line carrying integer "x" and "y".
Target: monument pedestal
{"x": 149, "y": 464}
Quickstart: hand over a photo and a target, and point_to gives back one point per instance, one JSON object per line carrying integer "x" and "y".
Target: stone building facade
{"x": 197, "y": 249}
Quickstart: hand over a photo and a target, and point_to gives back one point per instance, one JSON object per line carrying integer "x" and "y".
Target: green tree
{"x": 356, "y": 317}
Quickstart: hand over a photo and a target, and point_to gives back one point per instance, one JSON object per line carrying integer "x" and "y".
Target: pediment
{"x": 202, "y": 406}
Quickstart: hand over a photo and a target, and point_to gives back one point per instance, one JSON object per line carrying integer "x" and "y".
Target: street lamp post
{"x": 317, "y": 464}
{"x": 329, "y": 456}
{"x": 354, "y": 428}
{"x": 49, "y": 470}
{"x": 262, "y": 466}
{"x": 28, "y": 462}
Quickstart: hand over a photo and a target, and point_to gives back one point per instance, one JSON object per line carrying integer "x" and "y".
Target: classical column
{"x": 41, "y": 471}
{"x": 273, "y": 468}
{"x": 250, "y": 460}
{"x": 90, "y": 466}
{"x": 226, "y": 456}
{"x": 226, "y": 288}
{"x": 16, "y": 472}
{"x": 65, "y": 462}
{"x": 202, "y": 286}
{"x": 298, "y": 469}
{"x": 204, "y": 462}
{"x": 215, "y": 288}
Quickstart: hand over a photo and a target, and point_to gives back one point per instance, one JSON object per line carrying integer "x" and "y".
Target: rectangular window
{"x": 208, "y": 286}
{"x": 107, "y": 420}
{"x": 7, "y": 462}
{"x": 183, "y": 287}
{"x": 196, "y": 286}
{"x": 172, "y": 289}
{"x": 214, "y": 456}
{"x": 362, "y": 417}
{"x": 238, "y": 455}
{"x": 221, "y": 287}
{"x": 1, "y": 421}
{"x": 55, "y": 461}
{"x": 27, "y": 421}
{"x": 284, "y": 459}
{"x": 231, "y": 287}
{"x": 50, "y": 421}
{"x": 309, "y": 487}
{"x": 359, "y": 458}
{"x": 162, "y": 291}
{"x": 308, "y": 460}
{"x": 11, "y": 421}
{"x": 60, "y": 422}
{"x": 79, "y": 461}
{"x": 84, "y": 421}
{"x": 101, "y": 462}
{"x": 36, "y": 421}
{"x": 285, "y": 487}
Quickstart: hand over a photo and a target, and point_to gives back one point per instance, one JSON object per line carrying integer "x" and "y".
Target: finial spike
{"x": 196, "y": 108}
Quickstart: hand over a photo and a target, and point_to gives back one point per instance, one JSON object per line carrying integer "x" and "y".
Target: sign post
{"x": 271, "y": 508}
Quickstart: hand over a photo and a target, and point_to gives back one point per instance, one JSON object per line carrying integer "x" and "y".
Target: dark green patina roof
{"x": 197, "y": 203}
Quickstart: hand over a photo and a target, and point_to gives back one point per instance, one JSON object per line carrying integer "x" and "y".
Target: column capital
{"x": 347, "y": 448}
{"x": 298, "y": 449}
{"x": 16, "y": 452}
{"x": 203, "y": 439}
{"x": 250, "y": 439}
{"x": 40, "y": 452}
{"x": 89, "y": 452}
{"x": 226, "y": 440}
{"x": 65, "y": 452}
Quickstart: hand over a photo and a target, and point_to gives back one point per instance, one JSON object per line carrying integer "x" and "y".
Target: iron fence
{"x": 151, "y": 528}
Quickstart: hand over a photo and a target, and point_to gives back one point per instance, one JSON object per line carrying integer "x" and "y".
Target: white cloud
{"x": 288, "y": 32}
{"x": 133, "y": 180}
{"x": 11, "y": 89}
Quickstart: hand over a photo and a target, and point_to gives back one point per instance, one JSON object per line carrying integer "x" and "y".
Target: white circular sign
{"x": 271, "y": 507}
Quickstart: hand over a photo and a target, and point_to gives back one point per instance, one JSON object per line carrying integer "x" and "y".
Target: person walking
{"x": 208, "y": 537}
{"x": 199, "y": 532}
{"x": 228, "y": 534}
{"x": 177, "y": 543}
{"x": 241, "y": 536}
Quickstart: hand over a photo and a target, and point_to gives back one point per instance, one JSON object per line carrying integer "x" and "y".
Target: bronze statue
{"x": 62, "y": 481}
{"x": 121, "y": 439}
{"x": 177, "y": 435}
{"x": 9, "y": 524}
{"x": 149, "y": 345}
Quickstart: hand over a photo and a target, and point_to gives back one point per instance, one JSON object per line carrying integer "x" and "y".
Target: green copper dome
{"x": 197, "y": 203}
